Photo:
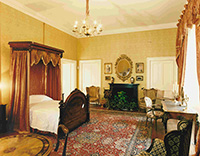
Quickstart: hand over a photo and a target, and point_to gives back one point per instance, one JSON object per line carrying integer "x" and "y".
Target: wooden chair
{"x": 153, "y": 111}
{"x": 176, "y": 142}
{"x": 94, "y": 95}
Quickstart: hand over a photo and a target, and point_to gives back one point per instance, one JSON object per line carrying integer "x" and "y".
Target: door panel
{"x": 162, "y": 74}
{"x": 89, "y": 74}
{"x": 68, "y": 75}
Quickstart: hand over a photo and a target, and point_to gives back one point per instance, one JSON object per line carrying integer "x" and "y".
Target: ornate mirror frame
{"x": 126, "y": 74}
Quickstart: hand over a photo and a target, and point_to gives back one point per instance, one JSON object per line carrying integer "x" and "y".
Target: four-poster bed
{"x": 35, "y": 73}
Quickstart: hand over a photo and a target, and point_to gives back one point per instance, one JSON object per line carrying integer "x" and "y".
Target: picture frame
{"x": 107, "y": 78}
{"x": 139, "y": 67}
{"x": 139, "y": 78}
{"x": 107, "y": 68}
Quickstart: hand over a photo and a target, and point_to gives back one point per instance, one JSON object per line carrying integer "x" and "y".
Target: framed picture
{"x": 139, "y": 68}
{"x": 107, "y": 78}
{"x": 139, "y": 78}
{"x": 107, "y": 68}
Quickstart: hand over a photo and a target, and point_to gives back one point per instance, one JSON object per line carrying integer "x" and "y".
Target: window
{"x": 191, "y": 86}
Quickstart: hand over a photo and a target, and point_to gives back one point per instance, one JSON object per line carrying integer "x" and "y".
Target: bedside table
{"x": 2, "y": 118}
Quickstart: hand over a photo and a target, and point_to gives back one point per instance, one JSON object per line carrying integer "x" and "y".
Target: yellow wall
{"x": 59, "y": 39}
{"x": 137, "y": 46}
{"x": 17, "y": 26}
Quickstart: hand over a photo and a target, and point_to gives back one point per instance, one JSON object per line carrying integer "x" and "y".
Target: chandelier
{"x": 88, "y": 28}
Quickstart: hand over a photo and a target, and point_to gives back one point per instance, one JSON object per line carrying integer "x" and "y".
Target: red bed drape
{"x": 37, "y": 79}
{"x": 30, "y": 63}
{"x": 19, "y": 108}
{"x": 53, "y": 82}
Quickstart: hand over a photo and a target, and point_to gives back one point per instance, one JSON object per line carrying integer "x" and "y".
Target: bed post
{"x": 88, "y": 107}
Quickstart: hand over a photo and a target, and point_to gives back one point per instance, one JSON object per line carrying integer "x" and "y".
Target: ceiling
{"x": 116, "y": 16}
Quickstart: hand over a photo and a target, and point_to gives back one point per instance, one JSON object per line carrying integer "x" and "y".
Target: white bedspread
{"x": 44, "y": 115}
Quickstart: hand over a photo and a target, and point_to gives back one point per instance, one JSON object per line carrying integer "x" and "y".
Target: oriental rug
{"x": 25, "y": 145}
{"x": 108, "y": 133}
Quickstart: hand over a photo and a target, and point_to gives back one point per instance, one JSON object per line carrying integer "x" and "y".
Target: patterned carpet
{"x": 113, "y": 133}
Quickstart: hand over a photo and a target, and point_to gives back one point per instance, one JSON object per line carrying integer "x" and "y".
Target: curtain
{"x": 190, "y": 15}
{"x": 53, "y": 81}
{"x": 39, "y": 82}
{"x": 181, "y": 59}
{"x": 198, "y": 51}
{"x": 198, "y": 75}
{"x": 37, "y": 79}
{"x": 50, "y": 83}
{"x": 18, "y": 116}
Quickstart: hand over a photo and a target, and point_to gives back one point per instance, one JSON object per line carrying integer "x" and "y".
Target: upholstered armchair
{"x": 155, "y": 95}
{"x": 94, "y": 95}
{"x": 153, "y": 111}
{"x": 176, "y": 142}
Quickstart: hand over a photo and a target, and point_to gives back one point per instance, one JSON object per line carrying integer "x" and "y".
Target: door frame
{"x": 80, "y": 70}
{"x": 65, "y": 61}
{"x": 149, "y": 59}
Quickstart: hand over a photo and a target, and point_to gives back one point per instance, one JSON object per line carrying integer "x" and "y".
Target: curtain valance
{"x": 46, "y": 57}
{"x": 38, "y": 52}
{"x": 190, "y": 15}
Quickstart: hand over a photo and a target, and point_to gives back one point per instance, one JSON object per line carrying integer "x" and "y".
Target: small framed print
{"x": 107, "y": 78}
{"x": 139, "y": 78}
{"x": 107, "y": 68}
{"x": 139, "y": 68}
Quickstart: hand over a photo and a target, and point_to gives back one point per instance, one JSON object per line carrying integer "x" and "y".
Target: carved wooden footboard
{"x": 73, "y": 113}
{"x": 75, "y": 110}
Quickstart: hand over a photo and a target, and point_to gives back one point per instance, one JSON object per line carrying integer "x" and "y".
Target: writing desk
{"x": 174, "y": 111}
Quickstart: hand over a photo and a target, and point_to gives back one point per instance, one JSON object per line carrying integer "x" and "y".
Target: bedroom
{"x": 17, "y": 26}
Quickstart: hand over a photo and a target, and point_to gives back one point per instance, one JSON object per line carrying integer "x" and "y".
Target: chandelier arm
{"x": 87, "y": 29}
{"x": 87, "y": 8}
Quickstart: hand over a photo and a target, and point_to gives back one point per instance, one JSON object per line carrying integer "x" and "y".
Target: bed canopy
{"x": 35, "y": 69}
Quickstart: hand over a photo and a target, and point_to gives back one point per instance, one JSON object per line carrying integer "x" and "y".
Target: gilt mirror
{"x": 123, "y": 67}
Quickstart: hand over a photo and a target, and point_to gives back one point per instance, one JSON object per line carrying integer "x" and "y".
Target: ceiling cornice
{"x": 14, "y": 4}
{"x": 144, "y": 28}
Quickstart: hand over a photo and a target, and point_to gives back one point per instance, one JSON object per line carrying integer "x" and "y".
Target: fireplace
{"x": 130, "y": 89}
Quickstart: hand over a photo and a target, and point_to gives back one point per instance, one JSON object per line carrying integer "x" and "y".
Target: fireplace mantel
{"x": 130, "y": 89}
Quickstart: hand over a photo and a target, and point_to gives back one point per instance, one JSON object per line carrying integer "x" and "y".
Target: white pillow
{"x": 38, "y": 98}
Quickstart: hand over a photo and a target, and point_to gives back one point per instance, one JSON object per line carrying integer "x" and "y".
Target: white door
{"x": 68, "y": 76}
{"x": 89, "y": 74}
{"x": 162, "y": 74}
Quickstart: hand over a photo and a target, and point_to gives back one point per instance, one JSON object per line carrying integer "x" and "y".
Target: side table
{"x": 103, "y": 102}
{"x": 2, "y": 118}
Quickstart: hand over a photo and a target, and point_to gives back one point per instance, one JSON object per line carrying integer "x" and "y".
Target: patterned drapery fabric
{"x": 190, "y": 16}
